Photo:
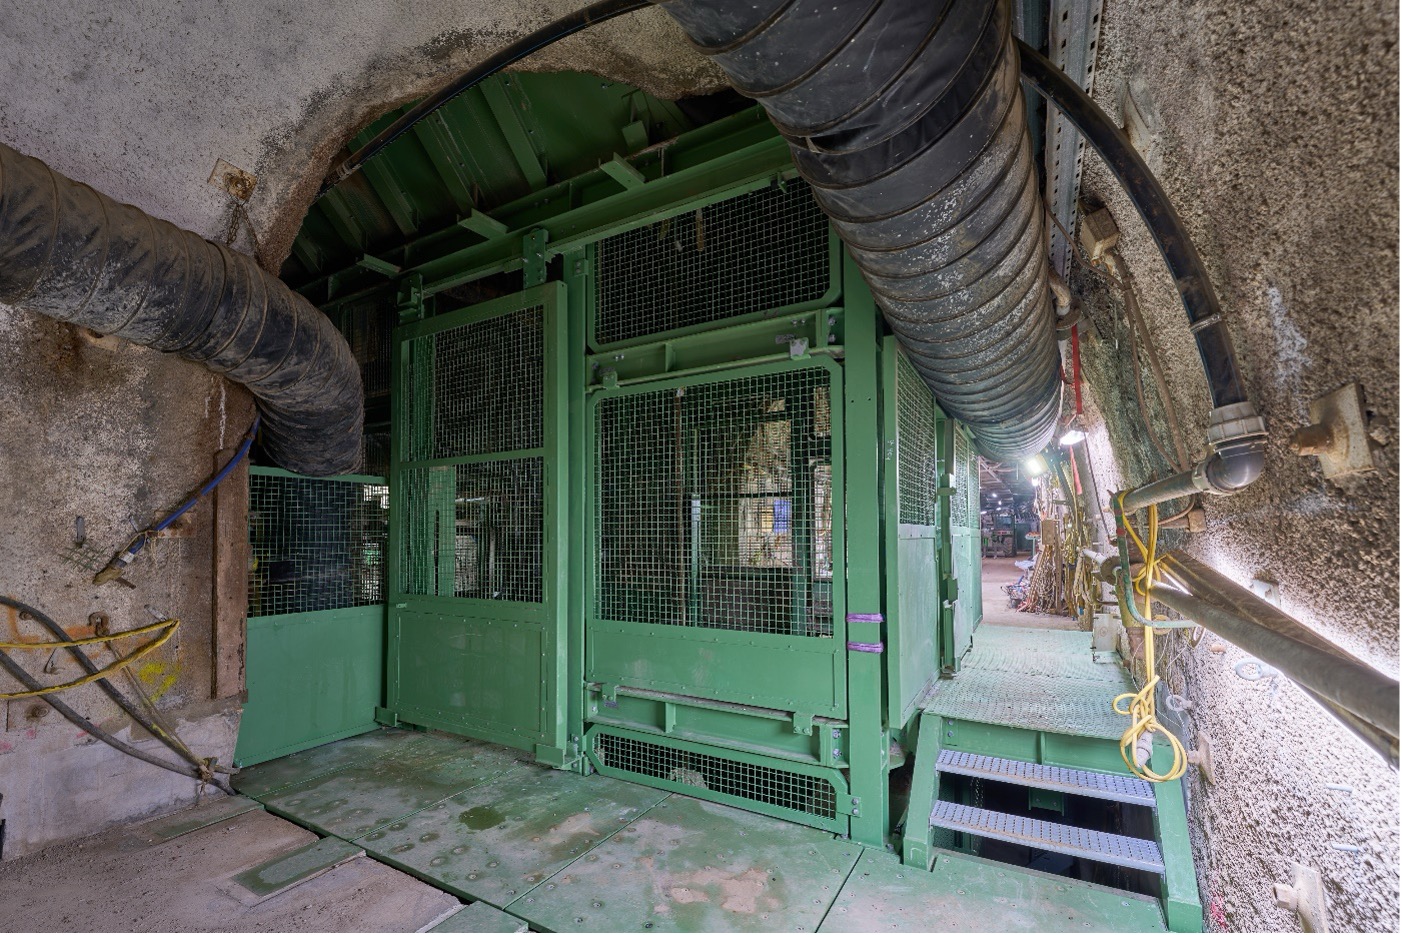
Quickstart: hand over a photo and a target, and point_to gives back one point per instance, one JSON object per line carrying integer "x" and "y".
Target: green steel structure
{"x": 666, "y": 500}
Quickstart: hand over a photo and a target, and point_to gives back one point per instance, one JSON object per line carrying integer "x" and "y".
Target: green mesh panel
{"x": 316, "y": 544}
{"x": 917, "y": 467}
{"x": 963, "y": 504}
{"x": 799, "y": 792}
{"x": 474, "y": 395}
{"x": 368, "y": 327}
{"x": 474, "y": 530}
{"x": 766, "y": 249}
{"x": 475, "y": 389}
{"x": 714, "y": 505}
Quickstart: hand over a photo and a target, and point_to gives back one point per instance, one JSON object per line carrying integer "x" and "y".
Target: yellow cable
{"x": 170, "y": 627}
{"x": 1139, "y": 706}
{"x": 88, "y": 640}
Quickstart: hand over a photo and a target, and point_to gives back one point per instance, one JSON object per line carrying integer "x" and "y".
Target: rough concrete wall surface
{"x": 1277, "y": 142}
{"x": 140, "y": 100}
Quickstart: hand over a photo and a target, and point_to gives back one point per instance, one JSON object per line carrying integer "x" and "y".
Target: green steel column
{"x": 1182, "y": 906}
{"x": 865, "y": 584}
{"x": 579, "y": 271}
{"x": 949, "y": 581}
{"x": 409, "y": 303}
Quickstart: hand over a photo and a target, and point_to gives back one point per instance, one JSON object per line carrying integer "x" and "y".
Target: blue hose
{"x": 124, "y": 558}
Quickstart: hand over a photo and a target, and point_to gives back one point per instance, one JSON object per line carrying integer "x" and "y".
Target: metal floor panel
{"x": 257, "y": 781}
{"x": 969, "y": 894}
{"x": 1074, "y": 781}
{"x": 1035, "y": 680}
{"x": 1117, "y": 849}
{"x": 693, "y": 866}
{"x": 361, "y": 798}
{"x": 500, "y": 839}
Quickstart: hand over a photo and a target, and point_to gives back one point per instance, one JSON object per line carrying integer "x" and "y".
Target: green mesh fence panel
{"x": 475, "y": 389}
{"x": 917, "y": 467}
{"x": 767, "y": 249}
{"x": 474, "y": 530}
{"x": 474, "y": 394}
{"x": 799, "y": 792}
{"x": 368, "y": 327}
{"x": 714, "y": 505}
{"x": 963, "y": 508}
{"x": 317, "y": 544}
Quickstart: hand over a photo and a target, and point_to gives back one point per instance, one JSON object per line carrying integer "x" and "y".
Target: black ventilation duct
{"x": 73, "y": 254}
{"x": 906, "y": 117}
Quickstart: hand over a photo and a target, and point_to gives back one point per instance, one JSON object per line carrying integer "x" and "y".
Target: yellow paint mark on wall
{"x": 155, "y": 671}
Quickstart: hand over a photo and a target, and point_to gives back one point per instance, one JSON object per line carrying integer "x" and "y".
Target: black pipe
{"x": 176, "y": 745}
{"x": 1259, "y": 627}
{"x": 906, "y": 118}
{"x": 73, "y": 254}
{"x": 77, "y": 720}
{"x": 559, "y": 29}
{"x": 1124, "y": 162}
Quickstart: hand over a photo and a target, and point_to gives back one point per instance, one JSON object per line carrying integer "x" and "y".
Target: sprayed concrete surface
{"x": 1277, "y": 141}
{"x": 140, "y": 103}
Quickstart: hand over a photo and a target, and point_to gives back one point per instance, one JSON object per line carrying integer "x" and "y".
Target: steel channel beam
{"x": 1073, "y": 35}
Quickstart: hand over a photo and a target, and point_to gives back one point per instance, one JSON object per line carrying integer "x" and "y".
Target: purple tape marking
{"x": 865, "y": 618}
{"x": 866, "y": 647}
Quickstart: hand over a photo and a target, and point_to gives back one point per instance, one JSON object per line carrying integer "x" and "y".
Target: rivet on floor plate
{"x": 961, "y": 892}
{"x": 1124, "y": 902}
{"x": 598, "y": 905}
{"x": 472, "y": 876}
{"x": 550, "y": 886}
{"x": 900, "y": 876}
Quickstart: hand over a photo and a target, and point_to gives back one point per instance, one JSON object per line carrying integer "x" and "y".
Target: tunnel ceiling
{"x": 511, "y": 136}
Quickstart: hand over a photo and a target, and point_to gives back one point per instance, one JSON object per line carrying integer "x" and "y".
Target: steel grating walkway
{"x": 1106, "y": 786}
{"x": 1047, "y": 836}
{"x": 1034, "y": 679}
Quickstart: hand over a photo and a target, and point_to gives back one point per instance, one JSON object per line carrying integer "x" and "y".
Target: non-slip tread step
{"x": 1055, "y": 778}
{"x": 1136, "y": 853}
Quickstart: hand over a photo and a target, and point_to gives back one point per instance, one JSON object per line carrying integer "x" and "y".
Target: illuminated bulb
{"x": 1035, "y": 466}
{"x": 1073, "y": 437}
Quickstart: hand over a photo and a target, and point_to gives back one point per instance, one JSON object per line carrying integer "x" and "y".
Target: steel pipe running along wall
{"x": 906, "y": 117}
{"x": 71, "y": 253}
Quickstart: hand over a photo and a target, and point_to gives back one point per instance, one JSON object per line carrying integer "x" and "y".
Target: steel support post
{"x": 870, "y": 740}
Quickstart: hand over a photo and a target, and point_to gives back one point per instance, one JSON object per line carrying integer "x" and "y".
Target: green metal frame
{"x": 311, "y": 677}
{"x": 824, "y": 302}
{"x": 800, "y": 674}
{"x": 517, "y": 645}
{"x": 844, "y": 801}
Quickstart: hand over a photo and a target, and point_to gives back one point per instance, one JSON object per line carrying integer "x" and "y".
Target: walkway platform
{"x": 569, "y": 853}
{"x": 1035, "y": 679}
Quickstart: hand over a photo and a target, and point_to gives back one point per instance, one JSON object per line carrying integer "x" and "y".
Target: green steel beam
{"x": 511, "y": 113}
{"x": 622, "y": 172}
{"x": 432, "y": 134}
{"x": 342, "y": 220}
{"x": 578, "y": 268}
{"x": 728, "y": 157}
{"x": 865, "y": 511}
{"x": 1182, "y": 905}
{"x": 924, "y": 790}
{"x": 482, "y": 224}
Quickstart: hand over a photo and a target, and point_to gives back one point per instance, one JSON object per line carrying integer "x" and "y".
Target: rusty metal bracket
{"x": 1339, "y": 435}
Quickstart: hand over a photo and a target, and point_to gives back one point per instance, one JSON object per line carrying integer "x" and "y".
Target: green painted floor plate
{"x": 969, "y": 894}
{"x": 1036, "y": 680}
{"x": 480, "y": 917}
{"x": 496, "y": 841}
{"x": 358, "y": 799}
{"x": 210, "y": 812}
{"x": 258, "y": 781}
{"x": 693, "y": 866}
{"x": 285, "y": 871}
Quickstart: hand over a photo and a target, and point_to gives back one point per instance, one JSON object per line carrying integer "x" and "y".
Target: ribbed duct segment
{"x": 71, "y": 253}
{"x": 906, "y": 117}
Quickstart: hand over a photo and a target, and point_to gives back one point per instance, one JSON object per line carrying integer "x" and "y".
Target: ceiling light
{"x": 1073, "y": 436}
{"x": 1035, "y": 466}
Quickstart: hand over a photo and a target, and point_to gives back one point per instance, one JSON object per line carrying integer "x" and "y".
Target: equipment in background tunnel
{"x": 73, "y": 254}
{"x": 907, "y": 119}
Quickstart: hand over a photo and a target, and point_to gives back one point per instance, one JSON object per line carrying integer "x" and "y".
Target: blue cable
{"x": 124, "y": 558}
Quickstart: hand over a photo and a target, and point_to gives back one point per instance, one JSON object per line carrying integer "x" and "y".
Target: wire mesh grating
{"x": 317, "y": 544}
{"x": 766, "y": 249}
{"x": 475, "y": 389}
{"x": 474, "y": 530}
{"x": 368, "y": 328}
{"x": 714, "y": 505}
{"x": 917, "y": 464}
{"x": 799, "y": 792}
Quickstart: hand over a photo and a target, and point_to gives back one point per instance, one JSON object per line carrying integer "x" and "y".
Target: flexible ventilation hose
{"x": 906, "y": 117}
{"x": 73, "y": 254}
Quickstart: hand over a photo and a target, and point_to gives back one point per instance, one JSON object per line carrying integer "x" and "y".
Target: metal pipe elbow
{"x": 1237, "y": 434}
